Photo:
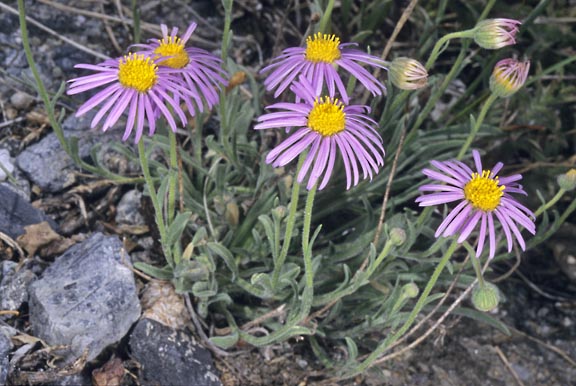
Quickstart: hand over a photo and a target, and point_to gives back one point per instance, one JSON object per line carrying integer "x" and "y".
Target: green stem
{"x": 440, "y": 45}
{"x": 136, "y": 19}
{"x": 550, "y": 203}
{"x": 308, "y": 218}
{"x": 155, "y": 202}
{"x": 385, "y": 252}
{"x": 39, "y": 84}
{"x": 487, "y": 10}
{"x": 459, "y": 34}
{"x": 456, "y": 68}
{"x": 279, "y": 263}
{"x": 476, "y": 126}
{"x": 476, "y": 264}
{"x": 550, "y": 70}
{"x": 50, "y": 108}
{"x": 360, "y": 279}
{"x": 225, "y": 123}
{"x": 290, "y": 328}
{"x": 173, "y": 174}
{"x": 198, "y": 128}
{"x": 308, "y": 294}
{"x": 382, "y": 347}
{"x": 226, "y": 31}
{"x": 326, "y": 17}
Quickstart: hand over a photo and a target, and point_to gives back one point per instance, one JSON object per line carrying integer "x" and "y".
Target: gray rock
{"x": 20, "y": 187}
{"x": 170, "y": 357}
{"x": 5, "y": 348}
{"x": 86, "y": 299}
{"x": 73, "y": 380}
{"x": 79, "y": 124}
{"x": 127, "y": 211}
{"x": 7, "y": 164}
{"x": 7, "y": 268}
{"x": 47, "y": 164}
{"x": 16, "y": 213}
{"x": 14, "y": 286}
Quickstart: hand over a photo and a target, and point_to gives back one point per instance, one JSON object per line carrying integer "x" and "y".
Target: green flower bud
{"x": 279, "y": 212}
{"x": 567, "y": 181}
{"x": 485, "y": 298}
{"x": 397, "y": 236}
{"x": 410, "y": 291}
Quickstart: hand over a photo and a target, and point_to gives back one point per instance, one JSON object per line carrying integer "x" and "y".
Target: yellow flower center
{"x": 173, "y": 47}
{"x": 509, "y": 82}
{"x": 327, "y": 116}
{"x": 137, "y": 72}
{"x": 322, "y": 48}
{"x": 483, "y": 192}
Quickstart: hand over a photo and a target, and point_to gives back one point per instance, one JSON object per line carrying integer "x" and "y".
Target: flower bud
{"x": 496, "y": 33}
{"x": 485, "y": 297}
{"x": 508, "y": 76}
{"x": 279, "y": 212}
{"x": 397, "y": 236}
{"x": 567, "y": 181}
{"x": 407, "y": 74}
{"x": 410, "y": 291}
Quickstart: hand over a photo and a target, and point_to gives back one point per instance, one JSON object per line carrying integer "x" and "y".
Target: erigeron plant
{"x": 272, "y": 265}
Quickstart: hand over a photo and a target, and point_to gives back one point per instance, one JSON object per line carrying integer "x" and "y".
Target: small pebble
{"x": 21, "y": 100}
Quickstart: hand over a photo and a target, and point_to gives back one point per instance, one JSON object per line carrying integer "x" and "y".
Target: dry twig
{"x": 508, "y": 366}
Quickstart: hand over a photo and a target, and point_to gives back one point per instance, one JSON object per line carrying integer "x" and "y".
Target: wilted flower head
{"x": 407, "y": 74}
{"x": 496, "y": 33}
{"x": 567, "y": 181}
{"x": 136, "y": 85}
{"x": 318, "y": 62}
{"x": 483, "y": 196}
{"x": 324, "y": 127}
{"x": 508, "y": 76}
{"x": 199, "y": 69}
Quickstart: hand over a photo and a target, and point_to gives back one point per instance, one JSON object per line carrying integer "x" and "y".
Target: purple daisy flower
{"x": 200, "y": 69}
{"x": 138, "y": 87}
{"x": 484, "y": 197}
{"x": 318, "y": 63}
{"x": 324, "y": 127}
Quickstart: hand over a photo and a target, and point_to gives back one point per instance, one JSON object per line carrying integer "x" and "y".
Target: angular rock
{"x": 16, "y": 213}
{"x": 47, "y": 164}
{"x": 171, "y": 357}
{"x": 86, "y": 299}
{"x": 14, "y": 286}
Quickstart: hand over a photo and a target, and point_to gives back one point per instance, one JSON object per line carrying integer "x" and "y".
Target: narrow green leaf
{"x": 227, "y": 256}
{"x": 352, "y": 349}
{"x": 226, "y": 341}
{"x": 482, "y": 317}
{"x": 164, "y": 273}
{"x": 175, "y": 230}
